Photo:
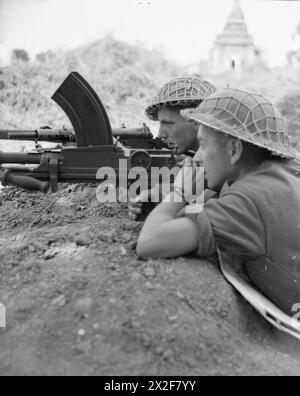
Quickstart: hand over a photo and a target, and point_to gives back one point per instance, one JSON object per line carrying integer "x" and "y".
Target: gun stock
{"x": 26, "y": 182}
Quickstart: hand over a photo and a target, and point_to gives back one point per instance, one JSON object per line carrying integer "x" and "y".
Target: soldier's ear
{"x": 236, "y": 149}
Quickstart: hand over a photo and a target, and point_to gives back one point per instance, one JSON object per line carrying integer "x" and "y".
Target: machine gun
{"x": 89, "y": 146}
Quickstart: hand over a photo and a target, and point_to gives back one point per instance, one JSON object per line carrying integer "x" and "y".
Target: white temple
{"x": 234, "y": 49}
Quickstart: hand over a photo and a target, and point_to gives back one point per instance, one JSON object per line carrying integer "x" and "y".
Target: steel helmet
{"x": 183, "y": 92}
{"x": 247, "y": 116}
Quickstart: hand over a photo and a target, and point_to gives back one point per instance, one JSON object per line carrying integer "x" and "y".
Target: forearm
{"x": 164, "y": 235}
{"x": 167, "y": 232}
{"x": 164, "y": 212}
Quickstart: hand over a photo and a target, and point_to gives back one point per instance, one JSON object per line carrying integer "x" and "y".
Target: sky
{"x": 184, "y": 30}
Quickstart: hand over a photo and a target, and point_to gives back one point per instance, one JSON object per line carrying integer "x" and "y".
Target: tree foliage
{"x": 124, "y": 76}
{"x": 20, "y": 54}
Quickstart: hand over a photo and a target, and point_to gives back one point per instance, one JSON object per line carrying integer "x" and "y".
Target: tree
{"x": 20, "y": 54}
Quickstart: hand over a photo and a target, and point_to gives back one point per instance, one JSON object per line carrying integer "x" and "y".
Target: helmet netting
{"x": 250, "y": 117}
{"x": 183, "y": 92}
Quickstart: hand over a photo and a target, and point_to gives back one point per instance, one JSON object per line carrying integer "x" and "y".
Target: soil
{"x": 80, "y": 302}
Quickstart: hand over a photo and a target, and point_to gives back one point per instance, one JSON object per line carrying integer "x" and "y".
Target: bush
{"x": 19, "y": 54}
{"x": 124, "y": 76}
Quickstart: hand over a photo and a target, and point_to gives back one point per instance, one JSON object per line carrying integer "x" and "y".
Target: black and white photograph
{"x": 149, "y": 190}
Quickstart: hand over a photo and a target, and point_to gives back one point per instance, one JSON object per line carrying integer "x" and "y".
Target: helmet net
{"x": 249, "y": 117}
{"x": 182, "y": 92}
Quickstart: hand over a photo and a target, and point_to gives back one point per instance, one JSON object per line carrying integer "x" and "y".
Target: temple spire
{"x": 236, "y": 30}
{"x": 234, "y": 48}
{"x": 236, "y": 12}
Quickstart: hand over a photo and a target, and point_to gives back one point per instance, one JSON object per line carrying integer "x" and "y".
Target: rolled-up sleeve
{"x": 232, "y": 222}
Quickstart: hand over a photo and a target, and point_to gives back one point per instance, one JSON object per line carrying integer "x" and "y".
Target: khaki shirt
{"x": 257, "y": 221}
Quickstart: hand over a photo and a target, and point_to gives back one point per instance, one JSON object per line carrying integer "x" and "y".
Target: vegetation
{"x": 126, "y": 78}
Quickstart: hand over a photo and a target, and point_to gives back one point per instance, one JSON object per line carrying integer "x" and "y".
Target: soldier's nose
{"x": 162, "y": 133}
{"x": 199, "y": 157}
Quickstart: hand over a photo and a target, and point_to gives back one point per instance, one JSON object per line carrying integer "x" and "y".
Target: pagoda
{"x": 234, "y": 49}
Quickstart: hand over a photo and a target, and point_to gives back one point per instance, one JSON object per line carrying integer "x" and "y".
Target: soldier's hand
{"x": 155, "y": 196}
{"x": 135, "y": 208}
{"x": 190, "y": 180}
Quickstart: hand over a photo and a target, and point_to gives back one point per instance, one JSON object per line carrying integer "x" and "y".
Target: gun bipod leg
{"x": 54, "y": 175}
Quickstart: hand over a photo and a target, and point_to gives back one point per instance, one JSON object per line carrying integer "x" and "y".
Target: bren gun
{"x": 92, "y": 145}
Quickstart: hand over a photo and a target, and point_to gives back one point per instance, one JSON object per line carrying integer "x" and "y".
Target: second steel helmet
{"x": 247, "y": 116}
{"x": 183, "y": 92}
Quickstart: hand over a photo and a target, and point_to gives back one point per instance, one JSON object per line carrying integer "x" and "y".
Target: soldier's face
{"x": 213, "y": 154}
{"x": 175, "y": 130}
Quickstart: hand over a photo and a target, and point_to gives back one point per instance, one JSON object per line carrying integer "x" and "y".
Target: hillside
{"x": 79, "y": 300}
{"x": 125, "y": 78}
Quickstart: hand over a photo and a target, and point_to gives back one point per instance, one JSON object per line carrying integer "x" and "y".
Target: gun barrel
{"x": 20, "y": 158}
{"x": 4, "y": 134}
{"x": 132, "y": 133}
{"x": 51, "y": 135}
{"x": 68, "y": 135}
{"x": 22, "y": 135}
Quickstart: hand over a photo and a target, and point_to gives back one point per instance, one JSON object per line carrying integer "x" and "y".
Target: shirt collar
{"x": 226, "y": 187}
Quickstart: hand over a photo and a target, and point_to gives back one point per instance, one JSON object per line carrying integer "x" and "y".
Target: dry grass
{"x": 125, "y": 77}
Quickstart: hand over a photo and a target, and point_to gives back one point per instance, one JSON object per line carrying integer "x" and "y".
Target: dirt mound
{"x": 80, "y": 301}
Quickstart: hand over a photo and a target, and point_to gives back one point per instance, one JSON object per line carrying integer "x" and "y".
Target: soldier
{"x": 248, "y": 158}
{"x": 176, "y": 95}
